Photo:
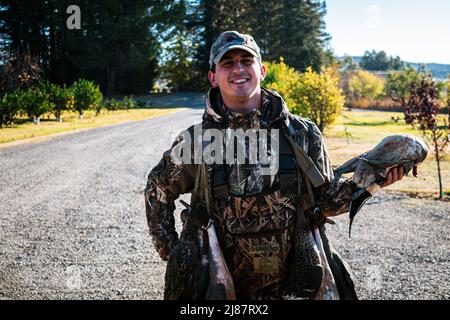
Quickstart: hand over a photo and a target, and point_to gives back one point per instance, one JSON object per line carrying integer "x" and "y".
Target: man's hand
{"x": 394, "y": 175}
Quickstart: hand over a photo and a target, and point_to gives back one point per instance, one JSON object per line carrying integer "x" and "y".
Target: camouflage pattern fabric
{"x": 256, "y": 227}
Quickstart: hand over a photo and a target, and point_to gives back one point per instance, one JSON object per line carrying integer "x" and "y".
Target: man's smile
{"x": 239, "y": 80}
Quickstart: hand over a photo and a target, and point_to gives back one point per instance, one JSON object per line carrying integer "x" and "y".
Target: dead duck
{"x": 197, "y": 267}
{"x": 187, "y": 272}
{"x": 371, "y": 168}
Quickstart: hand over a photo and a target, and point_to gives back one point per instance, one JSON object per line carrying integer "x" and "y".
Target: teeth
{"x": 239, "y": 81}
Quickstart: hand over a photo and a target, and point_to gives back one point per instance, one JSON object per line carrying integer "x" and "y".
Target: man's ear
{"x": 212, "y": 78}
{"x": 263, "y": 72}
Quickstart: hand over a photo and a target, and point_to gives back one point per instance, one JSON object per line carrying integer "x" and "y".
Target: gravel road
{"x": 73, "y": 226}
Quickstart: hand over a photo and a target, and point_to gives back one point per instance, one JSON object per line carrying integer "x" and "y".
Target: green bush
{"x": 36, "y": 102}
{"x": 61, "y": 97}
{"x": 111, "y": 104}
{"x": 87, "y": 95}
{"x": 129, "y": 103}
{"x": 10, "y": 105}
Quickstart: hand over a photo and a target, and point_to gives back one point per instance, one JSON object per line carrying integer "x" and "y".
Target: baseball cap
{"x": 229, "y": 40}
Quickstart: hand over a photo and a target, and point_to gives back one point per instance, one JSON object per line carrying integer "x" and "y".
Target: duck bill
{"x": 356, "y": 205}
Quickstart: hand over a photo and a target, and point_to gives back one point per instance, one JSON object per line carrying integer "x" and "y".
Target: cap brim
{"x": 237, "y": 46}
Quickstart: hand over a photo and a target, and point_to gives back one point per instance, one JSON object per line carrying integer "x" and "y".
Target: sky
{"x": 417, "y": 31}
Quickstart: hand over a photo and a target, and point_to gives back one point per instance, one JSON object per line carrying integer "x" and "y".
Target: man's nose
{"x": 238, "y": 66}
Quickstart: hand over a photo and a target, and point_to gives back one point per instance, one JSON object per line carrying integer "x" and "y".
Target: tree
{"x": 293, "y": 29}
{"x": 35, "y": 102}
{"x": 18, "y": 71}
{"x": 347, "y": 64}
{"x": 117, "y": 44}
{"x": 422, "y": 113}
{"x": 61, "y": 97}
{"x": 282, "y": 78}
{"x": 10, "y": 105}
{"x": 379, "y": 61}
{"x": 310, "y": 94}
{"x": 86, "y": 95}
{"x": 398, "y": 85}
{"x": 320, "y": 97}
{"x": 375, "y": 61}
{"x": 363, "y": 84}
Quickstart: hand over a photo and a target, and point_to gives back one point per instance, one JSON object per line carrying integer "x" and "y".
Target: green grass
{"x": 25, "y": 129}
{"x": 365, "y": 129}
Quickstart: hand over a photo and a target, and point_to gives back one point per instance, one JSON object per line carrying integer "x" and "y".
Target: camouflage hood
{"x": 215, "y": 110}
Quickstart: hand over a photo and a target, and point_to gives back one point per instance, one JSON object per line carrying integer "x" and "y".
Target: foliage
{"x": 363, "y": 84}
{"x": 310, "y": 94}
{"x": 447, "y": 89}
{"x": 422, "y": 113}
{"x": 18, "y": 71}
{"x": 398, "y": 85}
{"x": 177, "y": 67}
{"x": 129, "y": 103}
{"x": 379, "y": 61}
{"x": 35, "y": 102}
{"x": 87, "y": 95}
{"x": 282, "y": 78}
{"x": 271, "y": 23}
{"x": 61, "y": 97}
{"x": 10, "y": 105}
{"x": 111, "y": 104}
{"x": 117, "y": 45}
{"x": 347, "y": 64}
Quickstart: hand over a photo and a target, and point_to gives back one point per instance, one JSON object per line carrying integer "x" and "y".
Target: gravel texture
{"x": 73, "y": 225}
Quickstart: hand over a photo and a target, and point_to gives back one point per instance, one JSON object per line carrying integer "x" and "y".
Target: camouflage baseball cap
{"x": 229, "y": 40}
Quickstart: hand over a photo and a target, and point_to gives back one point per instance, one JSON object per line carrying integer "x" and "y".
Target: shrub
{"x": 87, "y": 95}
{"x": 363, "y": 84}
{"x": 129, "y": 103}
{"x": 313, "y": 95}
{"x": 398, "y": 85}
{"x": 111, "y": 104}
{"x": 10, "y": 105}
{"x": 36, "y": 102}
{"x": 61, "y": 97}
{"x": 282, "y": 78}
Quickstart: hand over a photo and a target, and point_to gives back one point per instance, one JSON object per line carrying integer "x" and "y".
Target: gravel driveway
{"x": 73, "y": 226}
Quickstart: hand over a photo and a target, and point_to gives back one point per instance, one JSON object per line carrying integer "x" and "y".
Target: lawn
{"x": 25, "y": 129}
{"x": 365, "y": 129}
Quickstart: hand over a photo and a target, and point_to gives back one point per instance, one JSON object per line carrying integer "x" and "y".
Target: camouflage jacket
{"x": 260, "y": 265}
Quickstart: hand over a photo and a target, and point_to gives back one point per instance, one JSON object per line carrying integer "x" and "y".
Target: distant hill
{"x": 438, "y": 70}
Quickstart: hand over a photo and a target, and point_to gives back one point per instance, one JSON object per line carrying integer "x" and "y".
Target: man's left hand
{"x": 394, "y": 175}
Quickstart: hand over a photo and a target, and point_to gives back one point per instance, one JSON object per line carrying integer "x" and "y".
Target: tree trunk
{"x": 436, "y": 151}
{"x": 110, "y": 75}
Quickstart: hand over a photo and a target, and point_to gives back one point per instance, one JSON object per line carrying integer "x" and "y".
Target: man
{"x": 270, "y": 227}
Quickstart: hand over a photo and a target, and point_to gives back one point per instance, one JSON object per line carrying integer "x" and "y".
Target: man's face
{"x": 238, "y": 75}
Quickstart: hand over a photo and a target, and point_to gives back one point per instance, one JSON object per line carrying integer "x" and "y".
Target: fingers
{"x": 388, "y": 180}
{"x": 394, "y": 174}
{"x": 401, "y": 173}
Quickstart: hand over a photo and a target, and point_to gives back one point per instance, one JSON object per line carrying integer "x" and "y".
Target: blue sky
{"x": 417, "y": 31}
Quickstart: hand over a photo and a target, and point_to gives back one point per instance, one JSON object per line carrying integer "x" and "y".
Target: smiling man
{"x": 271, "y": 228}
